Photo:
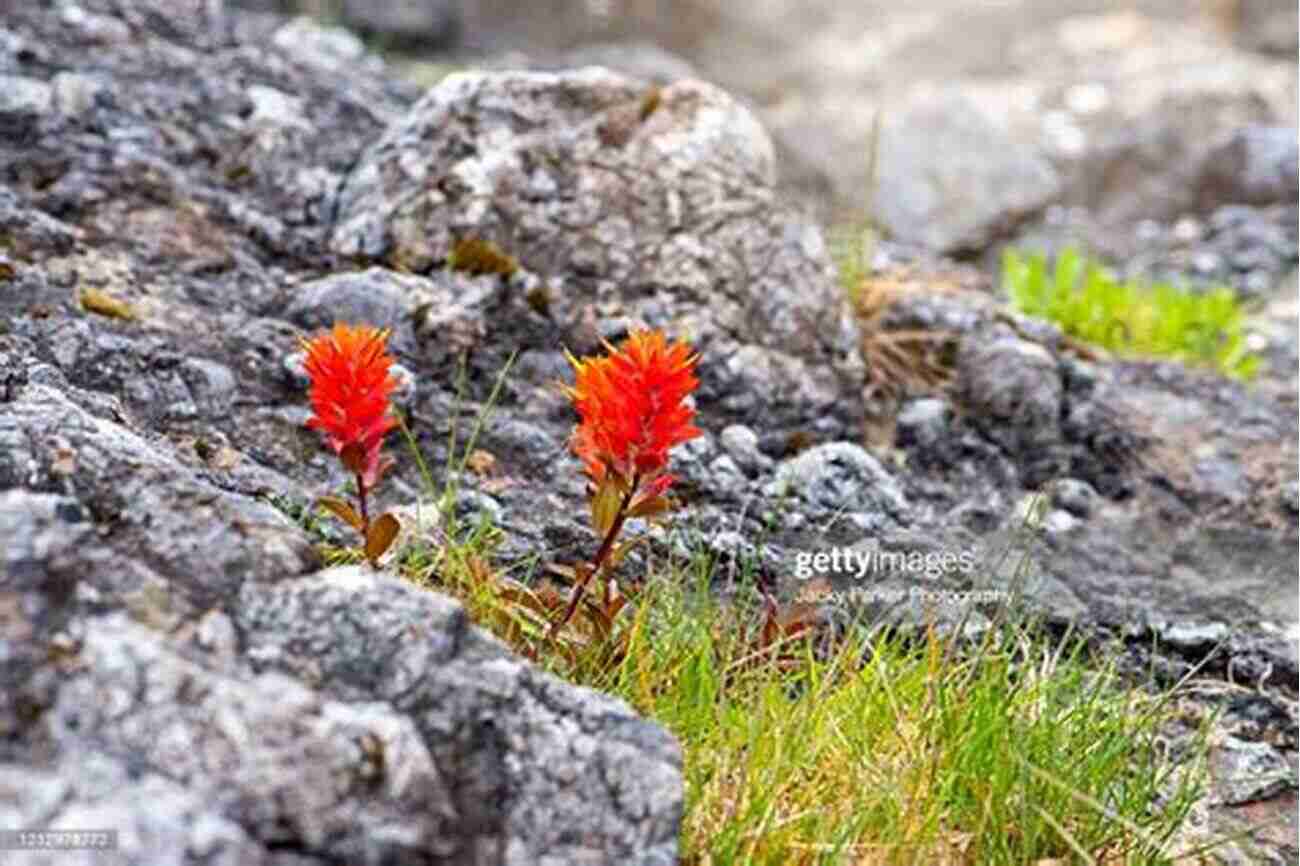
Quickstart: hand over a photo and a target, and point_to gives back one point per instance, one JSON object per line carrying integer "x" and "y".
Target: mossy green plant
{"x": 477, "y": 256}
{"x": 1159, "y": 320}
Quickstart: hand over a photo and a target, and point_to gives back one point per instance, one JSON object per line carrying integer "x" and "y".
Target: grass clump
{"x": 880, "y": 749}
{"x": 1157, "y": 320}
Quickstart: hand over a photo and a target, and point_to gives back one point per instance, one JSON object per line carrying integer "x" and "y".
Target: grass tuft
{"x": 878, "y": 750}
{"x": 1157, "y": 320}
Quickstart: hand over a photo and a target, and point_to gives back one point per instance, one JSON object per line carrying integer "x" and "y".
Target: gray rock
{"x": 1075, "y": 496}
{"x": 374, "y": 296}
{"x": 725, "y": 472}
{"x": 521, "y": 781}
{"x": 839, "y": 477}
{"x": 1254, "y": 165}
{"x": 40, "y": 537}
{"x": 20, "y": 95}
{"x": 161, "y": 742}
{"x": 264, "y": 759}
{"x": 1195, "y": 638}
{"x": 1290, "y": 497}
{"x": 103, "y": 29}
{"x": 331, "y": 48}
{"x": 1058, "y": 522}
{"x": 1222, "y": 477}
{"x": 923, "y": 422}
{"x": 32, "y": 231}
{"x": 1013, "y": 394}
{"x": 741, "y": 444}
{"x": 424, "y": 23}
{"x": 523, "y": 441}
{"x": 1158, "y": 159}
{"x": 1244, "y": 772}
{"x": 179, "y": 545}
{"x": 212, "y": 384}
{"x": 1268, "y": 26}
{"x": 275, "y": 107}
{"x": 75, "y": 94}
{"x": 951, "y": 180}
{"x": 812, "y": 394}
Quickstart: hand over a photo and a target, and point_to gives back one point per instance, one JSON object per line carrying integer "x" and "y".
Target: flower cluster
{"x": 632, "y": 405}
{"x": 633, "y": 408}
{"x": 350, "y": 389}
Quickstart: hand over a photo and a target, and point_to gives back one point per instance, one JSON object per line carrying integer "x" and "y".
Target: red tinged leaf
{"x": 647, "y": 508}
{"x": 620, "y": 550}
{"x": 353, "y": 457}
{"x": 768, "y": 635}
{"x": 380, "y": 536}
{"x": 343, "y": 511}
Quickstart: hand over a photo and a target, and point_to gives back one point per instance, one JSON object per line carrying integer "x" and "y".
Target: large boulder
{"x": 634, "y": 203}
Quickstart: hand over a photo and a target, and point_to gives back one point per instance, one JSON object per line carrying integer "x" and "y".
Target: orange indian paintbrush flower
{"x": 350, "y": 390}
{"x": 633, "y": 409}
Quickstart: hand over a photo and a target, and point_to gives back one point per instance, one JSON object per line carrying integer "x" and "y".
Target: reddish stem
{"x": 606, "y": 546}
{"x": 361, "y": 500}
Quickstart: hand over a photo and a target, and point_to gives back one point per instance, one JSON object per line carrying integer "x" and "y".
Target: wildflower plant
{"x": 351, "y": 385}
{"x": 632, "y": 404}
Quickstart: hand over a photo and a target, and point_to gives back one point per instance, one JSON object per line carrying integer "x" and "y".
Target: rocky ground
{"x": 184, "y": 190}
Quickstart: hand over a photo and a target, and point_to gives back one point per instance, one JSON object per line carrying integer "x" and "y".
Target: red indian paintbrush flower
{"x": 351, "y": 384}
{"x": 350, "y": 390}
{"x": 632, "y": 403}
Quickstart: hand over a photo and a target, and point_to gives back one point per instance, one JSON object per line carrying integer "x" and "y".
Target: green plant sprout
{"x": 1157, "y": 320}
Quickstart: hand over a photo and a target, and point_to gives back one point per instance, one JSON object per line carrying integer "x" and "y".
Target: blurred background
{"x": 1096, "y": 115}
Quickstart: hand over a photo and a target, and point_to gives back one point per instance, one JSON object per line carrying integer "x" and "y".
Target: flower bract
{"x": 633, "y": 409}
{"x": 350, "y": 390}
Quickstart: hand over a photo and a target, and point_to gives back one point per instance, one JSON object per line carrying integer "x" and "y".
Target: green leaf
{"x": 605, "y": 503}
{"x": 1069, "y": 266}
